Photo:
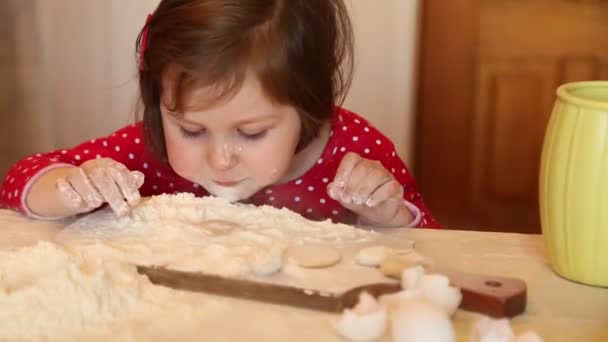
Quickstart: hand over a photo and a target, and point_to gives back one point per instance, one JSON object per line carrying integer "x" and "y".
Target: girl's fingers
{"x": 138, "y": 178}
{"x": 114, "y": 183}
{"x": 126, "y": 183}
{"x": 389, "y": 190}
{"x": 361, "y": 181}
{"x": 348, "y": 163}
{"x": 358, "y": 175}
{"x": 105, "y": 183}
{"x": 82, "y": 184}
{"x": 70, "y": 197}
{"x": 336, "y": 188}
{"x": 375, "y": 178}
{"x": 365, "y": 187}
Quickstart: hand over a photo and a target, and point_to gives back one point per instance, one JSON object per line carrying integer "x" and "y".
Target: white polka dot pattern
{"x": 306, "y": 195}
{"x": 347, "y": 135}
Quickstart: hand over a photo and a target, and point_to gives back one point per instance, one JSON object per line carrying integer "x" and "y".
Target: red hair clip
{"x": 143, "y": 43}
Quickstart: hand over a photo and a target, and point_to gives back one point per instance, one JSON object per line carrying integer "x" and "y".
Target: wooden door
{"x": 488, "y": 74}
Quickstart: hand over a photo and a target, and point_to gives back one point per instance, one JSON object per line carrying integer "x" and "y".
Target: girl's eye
{"x": 253, "y": 136}
{"x": 192, "y": 134}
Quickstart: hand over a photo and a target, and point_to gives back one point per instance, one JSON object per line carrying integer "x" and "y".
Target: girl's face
{"x": 235, "y": 147}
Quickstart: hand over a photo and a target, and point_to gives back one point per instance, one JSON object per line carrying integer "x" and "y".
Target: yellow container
{"x": 574, "y": 183}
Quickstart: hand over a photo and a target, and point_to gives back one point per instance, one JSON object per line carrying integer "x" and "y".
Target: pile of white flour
{"x": 87, "y": 279}
{"x": 47, "y": 292}
{"x": 205, "y": 234}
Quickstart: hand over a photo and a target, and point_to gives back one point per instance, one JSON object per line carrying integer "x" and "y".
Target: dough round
{"x": 312, "y": 256}
{"x": 372, "y": 256}
{"x": 394, "y": 264}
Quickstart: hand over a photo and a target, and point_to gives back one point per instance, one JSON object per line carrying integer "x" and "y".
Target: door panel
{"x": 513, "y": 98}
{"x": 543, "y": 27}
{"x": 603, "y": 73}
{"x": 580, "y": 68}
{"x": 489, "y": 71}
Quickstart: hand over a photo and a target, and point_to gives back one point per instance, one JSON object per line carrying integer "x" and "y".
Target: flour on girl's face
{"x": 232, "y": 194}
{"x": 232, "y": 150}
{"x": 247, "y": 139}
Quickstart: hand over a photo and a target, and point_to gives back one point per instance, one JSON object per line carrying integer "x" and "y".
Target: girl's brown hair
{"x": 300, "y": 50}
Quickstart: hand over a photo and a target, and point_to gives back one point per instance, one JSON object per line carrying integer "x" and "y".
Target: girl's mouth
{"x": 227, "y": 183}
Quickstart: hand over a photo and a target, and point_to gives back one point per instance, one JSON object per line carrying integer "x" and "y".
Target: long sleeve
{"x": 397, "y": 167}
{"x": 307, "y": 194}
{"x": 125, "y": 146}
{"x": 358, "y": 135}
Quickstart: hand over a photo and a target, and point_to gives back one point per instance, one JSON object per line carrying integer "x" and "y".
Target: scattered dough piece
{"x": 367, "y": 321}
{"x": 410, "y": 277}
{"x": 491, "y": 329}
{"x": 436, "y": 287}
{"x": 372, "y": 256}
{"x": 394, "y": 264}
{"x": 267, "y": 263}
{"x": 421, "y": 320}
{"x": 312, "y": 256}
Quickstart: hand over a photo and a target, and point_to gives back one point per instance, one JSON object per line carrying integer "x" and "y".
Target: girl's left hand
{"x": 368, "y": 189}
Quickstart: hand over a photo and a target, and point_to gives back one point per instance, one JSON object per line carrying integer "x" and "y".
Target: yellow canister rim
{"x": 564, "y": 92}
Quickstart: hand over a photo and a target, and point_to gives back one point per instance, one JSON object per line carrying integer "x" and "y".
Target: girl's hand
{"x": 368, "y": 189}
{"x": 98, "y": 181}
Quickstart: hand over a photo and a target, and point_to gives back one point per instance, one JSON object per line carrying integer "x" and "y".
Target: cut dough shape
{"x": 312, "y": 256}
{"x": 367, "y": 321}
{"x": 394, "y": 264}
{"x": 372, "y": 256}
{"x": 267, "y": 263}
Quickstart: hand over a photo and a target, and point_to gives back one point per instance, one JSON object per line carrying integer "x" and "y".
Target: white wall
{"x": 89, "y": 58}
{"x": 77, "y": 65}
{"x": 386, "y": 38}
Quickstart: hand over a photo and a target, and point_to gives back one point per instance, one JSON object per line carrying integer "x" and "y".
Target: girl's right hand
{"x": 98, "y": 181}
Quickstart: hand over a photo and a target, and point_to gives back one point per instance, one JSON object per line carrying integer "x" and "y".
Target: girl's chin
{"x": 231, "y": 194}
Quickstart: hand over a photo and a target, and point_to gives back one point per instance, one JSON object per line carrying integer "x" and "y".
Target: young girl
{"x": 238, "y": 102}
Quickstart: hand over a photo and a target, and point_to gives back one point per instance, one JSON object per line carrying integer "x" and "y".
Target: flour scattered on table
{"x": 45, "y": 292}
{"x": 194, "y": 234}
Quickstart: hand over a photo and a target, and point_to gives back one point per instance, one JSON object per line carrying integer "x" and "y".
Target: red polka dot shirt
{"x": 306, "y": 195}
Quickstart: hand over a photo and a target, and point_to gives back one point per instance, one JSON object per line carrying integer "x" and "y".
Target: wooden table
{"x": 558, "y": 309}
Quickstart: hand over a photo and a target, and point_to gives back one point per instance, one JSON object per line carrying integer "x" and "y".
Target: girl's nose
{"x": 222, "y": 156}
